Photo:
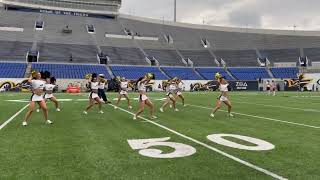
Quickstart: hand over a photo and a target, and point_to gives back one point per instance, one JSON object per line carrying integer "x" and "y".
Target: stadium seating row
{"x": 76, "y": 71}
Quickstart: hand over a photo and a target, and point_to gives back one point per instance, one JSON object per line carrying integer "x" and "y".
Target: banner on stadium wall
{"x": 244, "y": 85}
{"x": 310, "y": 82}
{"x": 14, "y": 85}
{"x": 58, "y": 12}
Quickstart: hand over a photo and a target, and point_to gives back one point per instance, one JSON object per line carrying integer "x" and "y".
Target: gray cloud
{"x": 277, "y": 14}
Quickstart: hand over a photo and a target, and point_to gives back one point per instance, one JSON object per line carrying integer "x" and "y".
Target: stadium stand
{"x": 209, "y": 73}
{"x": 200, "y": 57}
{"x": 285, "y": 72}
{"x": 236, "y": 58}
{"x": 14, "y": 50}
{"x": 62, "y": 53}
{"x": 70, "y": 71}
{"x": 124, "y": 56}
{"x": 165, "y": 57}
{"x": 313, "y": 54}
{"x": 281, "y": 55}
{"x": 134, "y": 72}
{"x": 12, "y": 70}
{"x": 249, "y": 73}
{"x": 182, "y": 73}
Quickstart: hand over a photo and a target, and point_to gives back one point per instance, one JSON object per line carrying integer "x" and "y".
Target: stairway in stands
{"x": 28, "y": 70}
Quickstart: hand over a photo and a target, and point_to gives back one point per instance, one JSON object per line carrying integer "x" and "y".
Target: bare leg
{"x": 228, "y": 103}
{"x": 91, "y": 104}
{"x": 55, "y": 101}
{"x": 128, "y": 100}
{"x": 149, "y": 103}
{"x": 218, "y": 106}
{"x": 141, "y": 108}
{"x": 119, "y": 98}
{"x": 44, "y": 108}
{"x": 30, "y": 110}
{"x": 182, "y": 98}
{"x": 99, "y": 101}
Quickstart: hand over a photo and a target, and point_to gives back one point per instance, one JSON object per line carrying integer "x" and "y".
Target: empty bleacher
{"x": 14, "y": 50}
{"x": 135, "y": 72}
{"x": 285, "y": 72}
{"x": 313, "y": 54}
{"x": 182, "y": 73}
{"x": 199, "y": 57}
{"x": 12, "y": 70}
{"x": 281, "y": 55}
{"x": 124, "y": 56}
{"x": 165, "y": 57}
{"x": 235, "y": 58}
{"x": 70, "y": 71}
{"x": 209, "y": 73}
{"x": 249, "y": 73}
{"x": 51, "y": 52}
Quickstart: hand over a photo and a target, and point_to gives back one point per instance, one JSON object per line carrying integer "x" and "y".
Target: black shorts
{"x": 268, "y": 88}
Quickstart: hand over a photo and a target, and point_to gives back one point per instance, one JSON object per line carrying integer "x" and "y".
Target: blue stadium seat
{"x": 134, "y": 72}
{"x": 209, "y": 73}
{"x": 12, "y": 70}
{"x": 249, "y": 73}
{"x": 285, "y": 72}
{"x": 182, "y": 73}
{"x": 69, "y": 71}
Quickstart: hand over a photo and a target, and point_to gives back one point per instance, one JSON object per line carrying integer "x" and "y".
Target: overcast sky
{"x": 271, "y": 14}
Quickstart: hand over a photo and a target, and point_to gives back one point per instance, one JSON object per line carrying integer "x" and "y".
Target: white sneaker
{"x": 161, "y": 110}
{"x": 58, "y": 110}
{"x": 115, "y": 107}
{"x": 170, "y": 105}
{"x": 49, "y": 122}
{"x": 212, "y": 115}
{"x": 38, "y": 110}
{"x": 231, "y": 115}
{"x": 176, "y": 110}
{"x": 130, "y": 107}
{"x": 85, "y": 112}
{"x": 134, "y": 117}
{"x": 24, "y": 123}
{"x": 154, "y": 117}
{"x": 100, "y": 112}
{"x": 184, "y": 105}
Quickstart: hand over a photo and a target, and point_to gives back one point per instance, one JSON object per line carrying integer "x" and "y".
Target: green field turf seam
{"x": 12, "y": 117}
{"x": 248, "y": 164}
{"x": 260, "y": 117}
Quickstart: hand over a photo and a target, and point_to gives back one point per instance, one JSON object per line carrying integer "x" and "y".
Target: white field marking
{"x": 248, "y": 164}
{"x": 19, "y": 100}
{"x": 260, "y": 117}
{"x": 15, "y": 115}
{"x": 276, "y": 106}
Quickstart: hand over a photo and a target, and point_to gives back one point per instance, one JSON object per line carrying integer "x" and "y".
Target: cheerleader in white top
{"x": 179, "y": 90}
{"x": 93, "y": 96}
{"x": 143, "y": 98}
{"x": 170, "y": 95}
{"x": 123, "y": 92}
{"x": 37, "y": 87}
{"x": 224, "y": 96}
{"x": 48, "y": 95}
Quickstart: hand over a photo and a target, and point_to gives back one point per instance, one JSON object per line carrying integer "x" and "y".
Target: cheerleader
{"x": 170, "y": 95}
{"x": 143, "y": 98}
{"x": 93, "y": 96}
{"x": 48, "y": 87}
{"x": 123, "y": 92}
{"x": 224, "y": 97}
{"x": 37, "y": 86}
{"x": 273, "y": 88}
{"x": 268, "y": 87}
{"x": 179, "y": 91}
{"x": 101, "y": 90}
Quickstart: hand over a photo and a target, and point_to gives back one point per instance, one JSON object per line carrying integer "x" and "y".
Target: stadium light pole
{"x": 175, "y": 10}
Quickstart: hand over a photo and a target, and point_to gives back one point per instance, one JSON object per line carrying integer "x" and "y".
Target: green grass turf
{"x": 95, "y": 146}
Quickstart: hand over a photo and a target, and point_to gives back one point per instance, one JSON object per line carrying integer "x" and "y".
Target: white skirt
{"x": 93, "y": 95}
{"x": 122, "y": 92}
{"x": 143, "y": 97}
{"x": 48, "y": 96}
{"x": 36, "y": 98}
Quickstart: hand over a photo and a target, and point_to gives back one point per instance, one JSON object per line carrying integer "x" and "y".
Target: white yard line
{"x": 248, "y": 164}
{"x": 14, "y": 116}
{"x": 276, "y": 106}
{"x": 261, "y": 117}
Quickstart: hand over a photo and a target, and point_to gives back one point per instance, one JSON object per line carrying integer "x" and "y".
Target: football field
{"x": 268, "y": 138}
